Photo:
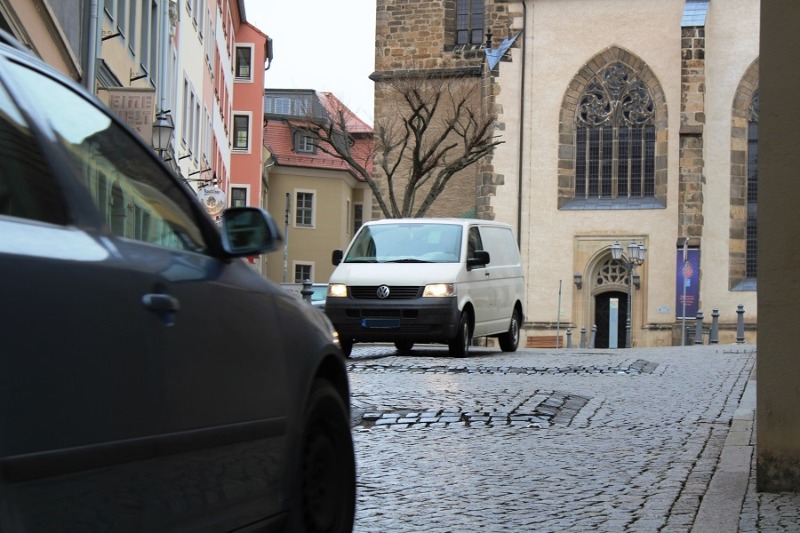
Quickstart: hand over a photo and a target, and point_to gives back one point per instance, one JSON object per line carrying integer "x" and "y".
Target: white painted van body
{"x": 385, "y": 287}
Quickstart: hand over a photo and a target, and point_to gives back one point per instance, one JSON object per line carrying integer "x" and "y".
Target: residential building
{"x": 196, "y": 66}
{"x": 620, "y": 123}
{"x": 321, "y": 200}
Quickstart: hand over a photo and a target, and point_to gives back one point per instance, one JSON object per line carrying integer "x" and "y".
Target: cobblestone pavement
{"x": 546, "y": 440}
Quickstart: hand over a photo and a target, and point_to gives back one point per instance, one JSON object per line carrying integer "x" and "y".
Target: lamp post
{"x": 636, "y": 256}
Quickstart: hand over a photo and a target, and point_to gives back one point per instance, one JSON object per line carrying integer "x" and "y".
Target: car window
{"x": 133, "y": 195}
{"x": 27, "y": 188}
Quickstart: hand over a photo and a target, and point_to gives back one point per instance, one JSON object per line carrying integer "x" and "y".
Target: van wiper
{"x": 408, "y": 260}
{"x": 361, "y": 260}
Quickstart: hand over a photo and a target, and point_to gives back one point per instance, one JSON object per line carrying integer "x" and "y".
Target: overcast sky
{"x": 325, "y": 45}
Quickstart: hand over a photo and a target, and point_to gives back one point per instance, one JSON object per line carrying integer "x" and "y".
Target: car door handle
{"x": 161, "y": 302}
{"x": 164, "y": 305}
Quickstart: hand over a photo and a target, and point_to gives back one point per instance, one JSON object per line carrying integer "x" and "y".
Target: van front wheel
{"x": 459, "y": 345}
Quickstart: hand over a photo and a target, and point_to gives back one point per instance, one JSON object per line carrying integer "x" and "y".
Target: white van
{"x": 428, "y": 280}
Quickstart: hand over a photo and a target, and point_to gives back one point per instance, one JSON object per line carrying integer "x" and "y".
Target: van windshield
{"x": 406, "y": 243}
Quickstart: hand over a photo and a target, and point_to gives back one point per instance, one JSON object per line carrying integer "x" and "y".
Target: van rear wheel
{"x": 403, "y": 346}
{"x": 509, "y": 341}
{"x": 459, "y": 345}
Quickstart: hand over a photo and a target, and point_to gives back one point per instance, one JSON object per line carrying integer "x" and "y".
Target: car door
{"x": 478, "y": 284}
{"x": 77, "y": 393}
{"x": 209, "y": 327}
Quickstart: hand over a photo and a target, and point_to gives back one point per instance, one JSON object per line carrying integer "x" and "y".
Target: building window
{"x": 238, "y": 197}
{"x": 132, "y": 26}
{"x": 304, "y": 209}
{"x": 302, "y": 272}
{"x": 282, "y": 106}
{"x": 751, "y": 261}
{"x": 358, "y": 216}
{"x": 615, "y": 137}
{"x": 244, "y": 63}
{"x": 469, "y": 21}
{"x": 241, "y": 132}
{"x": 298, "y": 105}
{"x": 304, "y": 143}
{"x": 743, "y": 244}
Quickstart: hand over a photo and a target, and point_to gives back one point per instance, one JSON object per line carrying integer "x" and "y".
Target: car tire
{"x": 403, "y": 346}
{"x": 346, "y": 345}
{"x": 327, "y": 465}
{"x": 509, "y": 341}
{"x": 459, "y": 345}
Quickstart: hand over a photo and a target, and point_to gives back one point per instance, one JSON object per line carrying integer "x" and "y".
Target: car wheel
{"x": 346, "y": 346}
{"x": 328, "y": 473}
{"x": 403, "y": 346}
{"x": 459, "y": 345}
{"x": 509, "y": 341}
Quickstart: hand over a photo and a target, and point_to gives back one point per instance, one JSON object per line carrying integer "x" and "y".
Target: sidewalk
{"x": 731, "y": 503}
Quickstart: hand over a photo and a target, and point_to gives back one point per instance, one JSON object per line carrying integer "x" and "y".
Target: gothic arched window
{"x": 751, "y": 255}
{"x": 615, "y": 137}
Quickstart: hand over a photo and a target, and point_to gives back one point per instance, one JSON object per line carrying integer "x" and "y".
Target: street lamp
{"x": 163, "y": 128}
{"x": 636, "y": 255}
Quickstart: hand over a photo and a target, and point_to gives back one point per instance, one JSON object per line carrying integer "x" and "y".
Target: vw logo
{"x": 383, "y": 292}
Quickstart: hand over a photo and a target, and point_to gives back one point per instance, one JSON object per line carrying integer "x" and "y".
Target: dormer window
{"x": 304, "y": 143}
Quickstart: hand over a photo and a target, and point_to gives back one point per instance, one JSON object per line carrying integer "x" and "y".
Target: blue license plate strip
{"x": 385, "y": 323}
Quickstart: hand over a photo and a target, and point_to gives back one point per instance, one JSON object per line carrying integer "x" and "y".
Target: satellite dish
{"x": 212, "y": 198}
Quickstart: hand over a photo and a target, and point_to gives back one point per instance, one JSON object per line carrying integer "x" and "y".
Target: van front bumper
{"x": 416, "y": 320}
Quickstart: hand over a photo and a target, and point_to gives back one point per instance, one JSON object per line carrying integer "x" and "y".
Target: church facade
{"x": 628, "y": 166}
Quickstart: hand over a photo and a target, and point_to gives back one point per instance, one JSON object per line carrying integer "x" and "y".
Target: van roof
{"x": 438, "y": 220}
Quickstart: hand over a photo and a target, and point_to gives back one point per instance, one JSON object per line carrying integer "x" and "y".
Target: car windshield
{"x": 406, "y": 243}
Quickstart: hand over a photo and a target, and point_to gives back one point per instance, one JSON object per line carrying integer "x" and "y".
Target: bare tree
{"x": 434, "y": 129}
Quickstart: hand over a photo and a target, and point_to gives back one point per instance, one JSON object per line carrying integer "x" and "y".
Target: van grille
{"x": 370, "y": 292}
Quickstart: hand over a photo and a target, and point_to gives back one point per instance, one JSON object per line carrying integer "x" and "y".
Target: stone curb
{"x": 721, "y": 507}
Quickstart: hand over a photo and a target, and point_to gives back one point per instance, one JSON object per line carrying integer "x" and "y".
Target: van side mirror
{"x": 336, "y": 257}
{"x": 481, "y": 258}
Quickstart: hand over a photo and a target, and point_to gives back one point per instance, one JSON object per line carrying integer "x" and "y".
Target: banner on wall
{"x": 687, "y": 282}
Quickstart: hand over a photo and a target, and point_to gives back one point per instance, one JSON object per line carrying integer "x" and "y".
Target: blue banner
{"x": 687, "y": 282}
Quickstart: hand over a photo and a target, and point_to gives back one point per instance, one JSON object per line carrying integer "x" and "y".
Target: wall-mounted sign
{"x": 687, "y": 283}
{"x": 136, "y": 106}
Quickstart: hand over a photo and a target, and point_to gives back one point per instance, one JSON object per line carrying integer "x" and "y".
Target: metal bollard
{"x": 714, "y": 337}
{"x": 306, "y": 291}
{"x": 583, "y": 337}
{"x": 569, "y": 337}
{"x": 740, "y": 324}
{"x": 593, "y": 336}
{"x": 698, "y": 328}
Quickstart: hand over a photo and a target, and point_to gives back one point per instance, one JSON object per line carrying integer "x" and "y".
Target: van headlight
{"x": 337, "y": 290}
{"x": 439, "y": 290}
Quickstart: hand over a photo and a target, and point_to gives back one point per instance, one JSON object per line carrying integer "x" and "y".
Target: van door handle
{"x": 486, "y": 274}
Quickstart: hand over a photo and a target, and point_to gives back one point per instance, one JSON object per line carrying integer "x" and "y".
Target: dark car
{"x": 150, "y": 380}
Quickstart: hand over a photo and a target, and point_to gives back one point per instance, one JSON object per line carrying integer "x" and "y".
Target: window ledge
{"x": 601, "y": 204}
{"x": 746, "y": 285}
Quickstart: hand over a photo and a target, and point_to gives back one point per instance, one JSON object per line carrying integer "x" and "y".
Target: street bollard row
{"x": 713, "y": 332}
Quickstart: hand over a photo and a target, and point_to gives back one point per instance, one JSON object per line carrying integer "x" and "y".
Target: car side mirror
{"x": 336, "y": 257}
{"x": 248, "y": 231}
{"x": 480, "y": 258}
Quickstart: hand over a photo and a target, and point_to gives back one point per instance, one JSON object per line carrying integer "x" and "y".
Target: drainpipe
{"x": 91, "y": 60}
{"x": 522, "y": 124}
{"x": 164, "y": 38}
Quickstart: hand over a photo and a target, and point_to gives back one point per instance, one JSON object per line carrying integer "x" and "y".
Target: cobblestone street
{"x": 545, "y": 440}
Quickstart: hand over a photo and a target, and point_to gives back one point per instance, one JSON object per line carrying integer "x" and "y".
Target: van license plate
{"x": 380, "y": 323}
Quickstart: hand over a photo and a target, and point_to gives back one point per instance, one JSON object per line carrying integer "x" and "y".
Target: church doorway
{"x": 603, "y": 318}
